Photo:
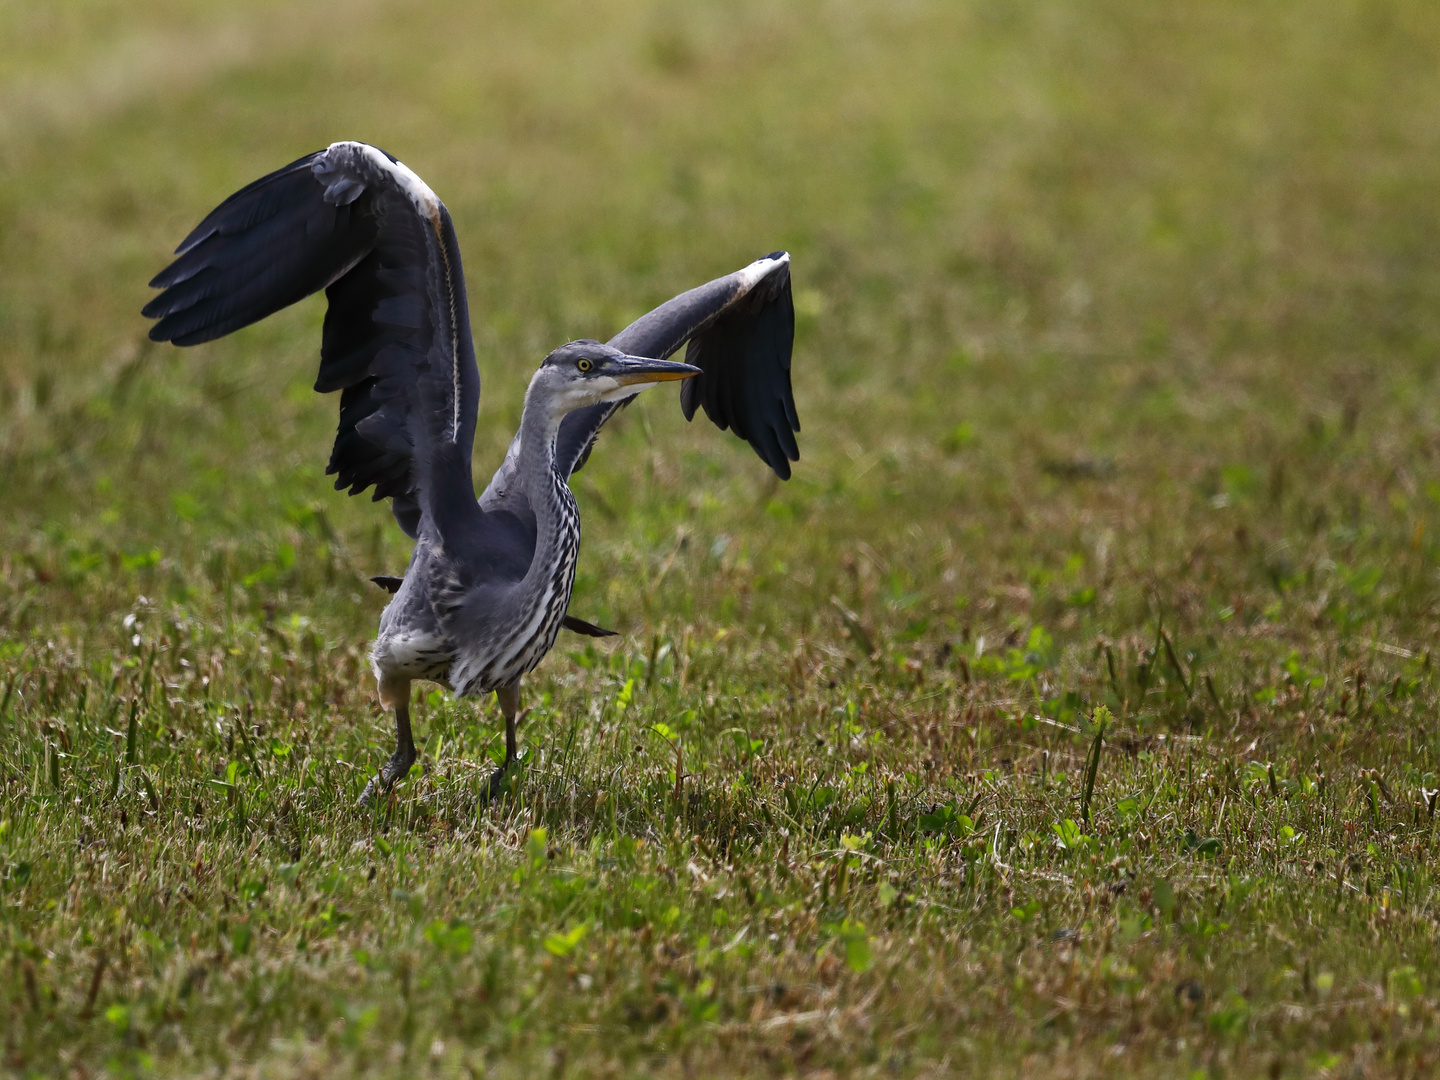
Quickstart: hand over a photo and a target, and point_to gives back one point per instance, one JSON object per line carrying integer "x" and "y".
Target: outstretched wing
{"x": 354, "y": 221}
{"x": 741, "y": 328}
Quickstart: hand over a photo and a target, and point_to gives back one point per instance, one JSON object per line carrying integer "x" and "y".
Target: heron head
{"x": 587, "y": 372}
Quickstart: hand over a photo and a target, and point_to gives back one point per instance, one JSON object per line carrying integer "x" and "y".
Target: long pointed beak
{"x": 627, "y": 370}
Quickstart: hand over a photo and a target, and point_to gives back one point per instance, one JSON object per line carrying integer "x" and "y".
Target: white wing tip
{"x": 425, "y": 200}
{"x": 762, "y": 268}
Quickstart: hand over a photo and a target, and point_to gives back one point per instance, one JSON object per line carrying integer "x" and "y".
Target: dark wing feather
{"x": 589, "y": 629}
{"x": 745, "y": 354}
{"x": 741, "y": 329}
{"x": 355, "y": 222}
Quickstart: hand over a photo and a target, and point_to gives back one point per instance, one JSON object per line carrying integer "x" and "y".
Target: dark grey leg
{"x": 508, "y": 698}
{"x": 396, "y": 694}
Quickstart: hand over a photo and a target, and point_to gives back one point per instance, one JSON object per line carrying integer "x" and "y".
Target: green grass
{"x": 1117, "y": 363}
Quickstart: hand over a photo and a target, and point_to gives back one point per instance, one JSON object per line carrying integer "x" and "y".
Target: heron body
{"x": 514, "y": 622}
{"x": 488, "y": 585}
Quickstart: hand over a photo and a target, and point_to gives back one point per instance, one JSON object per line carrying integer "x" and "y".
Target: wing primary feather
{"x": 580, "y": 626}
{"x": 254, "y": 202}
{"x": 355, "y": 222}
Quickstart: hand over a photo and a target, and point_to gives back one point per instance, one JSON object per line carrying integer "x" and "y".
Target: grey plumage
{"x": 489, "y": 580}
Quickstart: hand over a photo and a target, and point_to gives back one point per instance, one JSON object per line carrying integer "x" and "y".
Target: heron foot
{"x": 501, "y": 781}
{"x": 395, "y": 769}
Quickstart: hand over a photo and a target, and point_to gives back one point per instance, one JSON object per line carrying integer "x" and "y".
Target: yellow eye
{"x": 584, "y": 365}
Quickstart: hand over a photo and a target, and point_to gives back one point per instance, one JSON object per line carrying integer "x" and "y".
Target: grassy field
{"x": 1072, "y": 712}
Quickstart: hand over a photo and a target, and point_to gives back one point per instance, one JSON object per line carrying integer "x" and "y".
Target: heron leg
{"x": 394, "y": 693}
{"x": 508, "y": 698}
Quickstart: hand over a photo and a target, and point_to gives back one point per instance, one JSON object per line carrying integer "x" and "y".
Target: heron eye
{"x": 584, "y": 365}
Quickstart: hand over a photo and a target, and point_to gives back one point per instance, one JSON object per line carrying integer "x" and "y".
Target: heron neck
{"x": 539, "y": 424}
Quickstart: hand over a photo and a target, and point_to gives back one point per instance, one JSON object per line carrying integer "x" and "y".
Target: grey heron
{"x": 489, "y": 579}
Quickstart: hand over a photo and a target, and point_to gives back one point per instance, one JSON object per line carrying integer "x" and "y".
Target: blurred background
{"x": 1112, "y": 316}
{"x": 1074, "y": 280}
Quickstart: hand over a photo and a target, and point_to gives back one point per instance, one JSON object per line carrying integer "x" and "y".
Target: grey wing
{"x": 741, "y": 329}
{"x": 354, "y": 221}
